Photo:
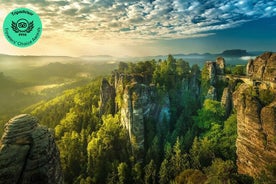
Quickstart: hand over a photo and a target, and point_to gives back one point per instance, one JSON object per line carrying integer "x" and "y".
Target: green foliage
{"x": 183, "y": 68}
{"x": 79, "y": 101}
{"x": 144, "y": 69}
{"x": 122, "y": 173}
{"x": 137, "y": 173}
{"x": 201, "y": 153}
{"x": 179, "y": 161}
{"x": 214, "y": 134}
{"x": 191, "y": 176}
{"x": 236, "y": 69}
{"x": 220, "y": 134}
{"x": 150, "y": 173}
{"x": 239, "y": 70}
{"x": 105, "y": 147}
{"x": 154, "y": 150}
{"x": 211, "y": 113}
{"x": 175, "y": 161}
{"x": 220, "y": 172}
{"x": 123, "y": 67}
{"x": 266, "y": 96}
{"x": 227, "y": 143}
{"x": 151, "y": 141}
{"x": 167, "y": 150}
{"x": 71, "y": 155}
{"x": 267, "y": 176}
{"x": 167, "y": 73}
{"x": 165, "y": 172}
{"x": 228, "y": 69}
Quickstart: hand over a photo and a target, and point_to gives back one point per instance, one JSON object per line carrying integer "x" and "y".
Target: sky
{"x": 123, "y": 28}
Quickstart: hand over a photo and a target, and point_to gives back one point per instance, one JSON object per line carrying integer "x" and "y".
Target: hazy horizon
{"x": 125, "y": 56}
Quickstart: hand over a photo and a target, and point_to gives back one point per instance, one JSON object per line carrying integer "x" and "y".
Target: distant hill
{"x": 7, "y": 83}
{"x": 235, "y": 53}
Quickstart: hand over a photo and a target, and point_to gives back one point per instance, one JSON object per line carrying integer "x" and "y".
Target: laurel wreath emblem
{"x": 17, "y": 30}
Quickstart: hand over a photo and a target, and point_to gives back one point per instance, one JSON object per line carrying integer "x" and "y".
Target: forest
{"x": 195, "y": 144}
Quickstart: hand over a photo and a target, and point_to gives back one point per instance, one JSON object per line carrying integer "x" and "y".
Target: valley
{"x": 156, "y": 121}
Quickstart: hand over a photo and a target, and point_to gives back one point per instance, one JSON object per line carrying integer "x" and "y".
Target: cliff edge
{"x": 256, "y": 118}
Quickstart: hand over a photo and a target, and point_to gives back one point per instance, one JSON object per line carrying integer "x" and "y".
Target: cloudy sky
{"x": 146, "y": 27}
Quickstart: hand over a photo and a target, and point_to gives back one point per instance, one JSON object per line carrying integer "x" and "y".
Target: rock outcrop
{"x": 256, "y": 117}
{"x": 136, "y": 100}
{"x": 107, "y": 98}
{"x": 192, "y": 84}
{"x": 256, "y": 146}
{"x": 216, "y": 71}
{"x": 211, "y": 66}
{"x": 138, "y": 106}
{"x": 263, "y": 67}
{"x": 226, "y": 100}
{"x": 220, "y": 66}
{"x": 212, "y": 93}
{"x": 28, "y": 153}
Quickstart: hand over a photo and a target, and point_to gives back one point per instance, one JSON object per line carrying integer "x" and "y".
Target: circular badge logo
{"x": 22, "y": 27}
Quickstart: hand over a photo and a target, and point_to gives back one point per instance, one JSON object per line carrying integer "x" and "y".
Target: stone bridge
{"x": 252, "y": 82}
{"x": 245, "y": 79}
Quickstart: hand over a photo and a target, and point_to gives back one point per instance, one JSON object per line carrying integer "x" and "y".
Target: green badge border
{"x": 26, "y": 39}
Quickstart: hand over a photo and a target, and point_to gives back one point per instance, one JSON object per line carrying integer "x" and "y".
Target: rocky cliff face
{"x": 192, "y": 84}
{"x": 220, "y": 66}
{"x": 28, "y": 153}
{"x": 226, "y": 100}
{"x": 256, "y": 141}
{"x": 107, "y": 98}
{"x": 256, "y": 146}
{"x": 137, "y": 103}
{"x": 215, "y": 69}
{"x": 263, "y": 67}
{"x": 138, "y": 106}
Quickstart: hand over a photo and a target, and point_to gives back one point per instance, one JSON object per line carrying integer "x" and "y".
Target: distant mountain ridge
{"x": 235, "y": 52}
{"x": 225, "y": 53}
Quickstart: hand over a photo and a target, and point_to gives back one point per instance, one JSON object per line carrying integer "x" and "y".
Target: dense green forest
{"x": 196, "y": 145}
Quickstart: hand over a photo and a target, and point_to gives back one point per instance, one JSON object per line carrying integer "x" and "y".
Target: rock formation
{"x": 107, "y": 98}
{"x": 138, "y": 105}
{"x": 220, "y": 66}
{"x": 136, "y": 100}
{"x": 263, "y": 67}
{"x": 256, "y": 128}
{"x": 256, "y": 146}
{"x": 192, "y": 84}
{"x": 216, "y": 70}
{"x": 211, "y": 66}
{"x": 212, "y": 93}
{"x": 226, "y": 100}
{"x": 28, "y": 153}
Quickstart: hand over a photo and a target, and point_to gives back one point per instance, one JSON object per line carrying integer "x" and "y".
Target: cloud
{"x": 146, "y": 19}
